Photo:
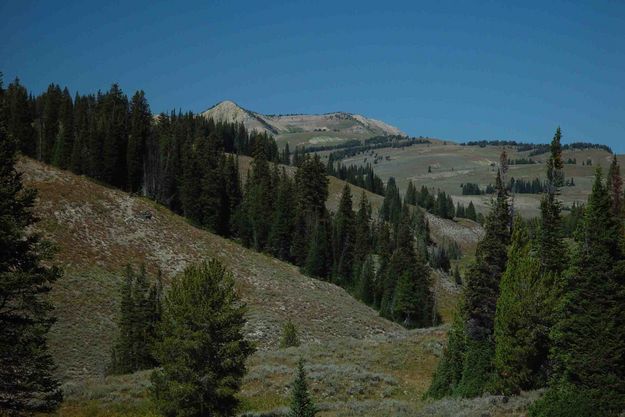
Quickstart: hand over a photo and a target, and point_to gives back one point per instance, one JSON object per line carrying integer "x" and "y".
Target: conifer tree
{"x": 588, "y": 336}
{"x": 448, "y": 373}
{"x": 48, "y": 123}
{"x": 470, "y": 212}
{"x": 64, "y": 140}
{"x": 231, "y": 195}
{"x": 362, "y": 232}
{"x": 366, "y": 282}
{"x": 311, "y": 185}
{"x": 140, "y": 311}
{"x": 202, "y": 318}
{"x": 301, "y": 403}
{"x": 319, "y": 256}
{"x": 391, "y": 206}
{"x": 406, "y": 294}
{"x": 258, "y": 199}
{"x": 481, "y": 294}
{"x": 27, "y": 383}
{"x": 19, "y": 118}
{"x": 413, "y": 303}
{"x": 286, "y": 155}
{"x": 411, "y": 194}
{"x": 523, "y": 318}
{"x": 343, "y": 240}
{"x": 112, "y": 129}
{"x": 283, "y": 222}
{"x": 552, "y": 250}
{"x": 140, "y": 120}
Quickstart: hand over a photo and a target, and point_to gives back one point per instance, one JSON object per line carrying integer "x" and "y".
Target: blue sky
{"x": 456, "y": 70}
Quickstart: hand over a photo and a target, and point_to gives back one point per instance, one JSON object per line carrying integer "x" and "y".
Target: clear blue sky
{"x": 457, "y": 70}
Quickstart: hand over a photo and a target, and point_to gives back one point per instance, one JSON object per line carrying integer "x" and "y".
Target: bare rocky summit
{"x": 337, "y": 122}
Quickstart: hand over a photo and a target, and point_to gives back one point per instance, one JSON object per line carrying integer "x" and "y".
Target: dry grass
{"x": 453, "y": 165}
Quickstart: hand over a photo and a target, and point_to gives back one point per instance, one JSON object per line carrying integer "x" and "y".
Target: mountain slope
{"x": 99, "y": 230}
{"x": 315, "y": 128}
{"x": 357, "y": 362}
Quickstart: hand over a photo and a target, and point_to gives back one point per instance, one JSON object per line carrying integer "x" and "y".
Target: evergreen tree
{"x": 311, "y": 239}
{"x": 411, "y": 194}
{"x": 283, "y": 223}
{"x": 448, "y": 373}
{"x": 286, "y": 155}
{"x": 552, "y": 250}
{"x": 27, "y": 383}
{"x": 140, "y": 120}
{"x": 481, "y": 294}
{"x": 311, "y": 185}
{"x": 589, "y": 334}
{"x": 470, "y": 212}
{"x": 202, "y": 318}
{"x": 231, "y": 195}
{"x": 413, "y": 302}
{"x": 362, "y": 232}
{"x": 61, "y": 153}
{"x": 343, "y": 240}
{"x": 522, "y": 319}
{"x": 319, "y": 256}
{"x": 19, "y": 118}
{"x": 406, "y": 294}
{"x": 140, "y": 312}
{"x": 81, "y": 159}
{"x": 112, "y": 129}
{"x": 391, "y": 207}
{"x": 257, "y": 205}
{"x": 301, "y": 403}
{"x": 366, "y": 282}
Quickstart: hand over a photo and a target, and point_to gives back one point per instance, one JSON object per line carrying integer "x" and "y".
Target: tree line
{"x": 536, "y": 148}
{"x": 539, "y": 312}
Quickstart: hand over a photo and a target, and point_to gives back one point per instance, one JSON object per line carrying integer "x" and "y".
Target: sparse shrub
{"x": 290, "y": 335}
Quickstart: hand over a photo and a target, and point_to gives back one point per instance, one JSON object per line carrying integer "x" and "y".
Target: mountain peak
{"x": 340, "y": 122}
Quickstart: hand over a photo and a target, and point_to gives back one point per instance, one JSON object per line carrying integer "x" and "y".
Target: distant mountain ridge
{"x": 340, "y": 122}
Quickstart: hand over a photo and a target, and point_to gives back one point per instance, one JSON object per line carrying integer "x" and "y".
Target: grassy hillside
{"x": 358, "y": 363}
{"x": 452, "y": 165}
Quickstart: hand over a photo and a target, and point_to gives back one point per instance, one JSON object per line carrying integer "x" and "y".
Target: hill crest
{"x": 281, "y": 124}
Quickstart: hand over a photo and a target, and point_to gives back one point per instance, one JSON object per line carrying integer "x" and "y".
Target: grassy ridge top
{"x": 452, "y": 165}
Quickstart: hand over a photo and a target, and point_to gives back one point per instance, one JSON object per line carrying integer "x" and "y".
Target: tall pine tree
{"x": 140, "y": 120}
{"x": 589, "y": 335}
{"x": 27, "y": 383}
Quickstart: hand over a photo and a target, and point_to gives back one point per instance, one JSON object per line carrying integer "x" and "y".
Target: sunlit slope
{"x": 451, "y": 165}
